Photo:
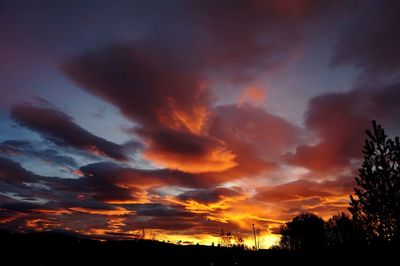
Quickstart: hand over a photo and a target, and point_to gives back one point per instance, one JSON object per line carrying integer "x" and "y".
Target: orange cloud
{"x": 176, "y": 116}
{"x": 216, "y": 160}
{"x": 255, "y": 136}
{"x": 52, "y": 212}
{"x": 252, "y": 95}
{"x": 187, "y": 152}
{"x": 41, "y": 224}
{"x": 118, "y": 211}
{"x": 193, "y": 122}
{"x": 323, "y": 198}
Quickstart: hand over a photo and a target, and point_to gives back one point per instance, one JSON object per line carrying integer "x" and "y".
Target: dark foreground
{"x": 58, "y": 249}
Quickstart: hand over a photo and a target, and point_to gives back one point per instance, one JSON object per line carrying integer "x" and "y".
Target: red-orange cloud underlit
{"x": 187, "y": 152}
{"x": 253, "y": 95}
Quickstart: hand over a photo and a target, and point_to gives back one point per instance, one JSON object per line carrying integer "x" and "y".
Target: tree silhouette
{"x": 375, "y": 205}
{"x": 341, "y": 232}
{"x": 306, "y": 231}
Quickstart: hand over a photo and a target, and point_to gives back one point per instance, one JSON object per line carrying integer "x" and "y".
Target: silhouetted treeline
{"x": 374, "y": 207}
{"x": 49, "y": 248}
{"x": 307, "y": 231}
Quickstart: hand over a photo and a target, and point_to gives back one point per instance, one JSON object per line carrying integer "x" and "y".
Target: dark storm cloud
{"x": 61, "y": 129}
{"x": 371, "y": 41}
{"x": 339, "y": 121}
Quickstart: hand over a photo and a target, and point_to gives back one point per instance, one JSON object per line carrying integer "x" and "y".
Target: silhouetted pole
{"x": 255, "y": 238}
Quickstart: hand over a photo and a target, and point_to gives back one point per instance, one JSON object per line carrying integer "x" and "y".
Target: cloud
{"x": 146, "y": 82}
{"x": 324, "y": 198}
{"x": 61, "y": 129}
{"x": 240, "y": 40}
{"x": 371, "y": 42}
{"x": 301, "y": 189}
{"x": 12, "y": 172}
{"x": 92, "y": 187}
{"x": 100, "y": 182}
{"x": 187, "y": 152}
{"x": 103, "y": 197}
{"x": 127, "y": 176}
{"x": 159, "y": 210}
{"x": 17, "y": 206}
{"x": 167, "y": 71}
{"x": 188, "y": 223}
{"x": 30, "y": 149}
{"x": 163, "y": 83}
{"x": 30, "y": 201}
{"x": 252, "y": 95}
{"x": 256, "y": 137}
{"x": 55, "y": 193}
{"x": 339, "y": 120}
{"x": 165, "y": 96}
{"x": 206, "y": 196}
{"x": 99, "y": 203}
{"x": 269, "y": 133}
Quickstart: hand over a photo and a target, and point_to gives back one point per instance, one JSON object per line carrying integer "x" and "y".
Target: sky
{"x": 183, "y": 118}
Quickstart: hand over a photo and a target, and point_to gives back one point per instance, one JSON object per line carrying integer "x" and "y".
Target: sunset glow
{"x": 177, "y": 120}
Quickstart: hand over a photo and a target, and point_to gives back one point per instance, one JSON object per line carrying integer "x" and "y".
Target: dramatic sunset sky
{"x": 185, "y": 117}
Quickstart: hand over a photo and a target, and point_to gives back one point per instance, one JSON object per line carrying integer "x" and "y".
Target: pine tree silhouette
{"x": 375, "y": 205}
